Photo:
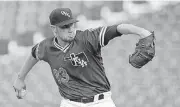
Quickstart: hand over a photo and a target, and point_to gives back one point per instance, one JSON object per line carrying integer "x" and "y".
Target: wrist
{"x": 21, "y": 77}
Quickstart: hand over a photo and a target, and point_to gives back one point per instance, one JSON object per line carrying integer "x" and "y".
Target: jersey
{"x": 78, "y": 67}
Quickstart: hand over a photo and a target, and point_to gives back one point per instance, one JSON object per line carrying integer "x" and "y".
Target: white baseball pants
{"x": 106, "y": 102}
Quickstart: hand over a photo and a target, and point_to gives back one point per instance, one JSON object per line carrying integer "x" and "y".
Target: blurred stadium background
{"x": 23, "y": 24}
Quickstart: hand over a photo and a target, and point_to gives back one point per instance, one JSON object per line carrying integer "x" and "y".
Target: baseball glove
{"x": 144, "y": 52}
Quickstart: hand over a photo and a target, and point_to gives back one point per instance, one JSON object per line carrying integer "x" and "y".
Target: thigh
{"x": 103, "y": 103}
{"x": 67, "y": 103}
{"x": 106, "y": 103}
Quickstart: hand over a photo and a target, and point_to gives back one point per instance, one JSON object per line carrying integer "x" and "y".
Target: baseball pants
{"x": 106, "y": 102}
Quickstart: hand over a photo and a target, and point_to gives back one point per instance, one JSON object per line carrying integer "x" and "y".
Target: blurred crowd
{"x": 23, "y": 24}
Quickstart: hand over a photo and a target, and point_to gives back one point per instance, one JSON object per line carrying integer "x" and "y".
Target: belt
{"x": 88, "y": 99}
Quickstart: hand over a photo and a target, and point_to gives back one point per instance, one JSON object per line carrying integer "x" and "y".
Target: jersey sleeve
{"x": 39, "y": 51}
{"x": 99, "y": 37}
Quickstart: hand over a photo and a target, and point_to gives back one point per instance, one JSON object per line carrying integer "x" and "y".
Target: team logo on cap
{"x": 65, "y": 13}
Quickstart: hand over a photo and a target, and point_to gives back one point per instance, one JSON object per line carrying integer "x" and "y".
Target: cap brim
{"x": 67, "y": 22}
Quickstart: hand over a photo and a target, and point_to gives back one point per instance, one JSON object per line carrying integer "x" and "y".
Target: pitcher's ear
{"x": 53, "y": 28}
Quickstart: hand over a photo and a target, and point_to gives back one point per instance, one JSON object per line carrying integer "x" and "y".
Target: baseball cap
{"x": 61, "y": 17}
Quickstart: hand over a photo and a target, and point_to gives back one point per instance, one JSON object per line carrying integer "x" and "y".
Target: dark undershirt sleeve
{"x": 111, "y": 32}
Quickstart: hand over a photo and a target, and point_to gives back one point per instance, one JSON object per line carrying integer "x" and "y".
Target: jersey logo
{"x": 79, "y": 59}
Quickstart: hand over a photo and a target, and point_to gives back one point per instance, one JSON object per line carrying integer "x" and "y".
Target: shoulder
{"x": 88, "y": 31}
{"x": 79, "y": 34}
{"x": 47, "y": 42}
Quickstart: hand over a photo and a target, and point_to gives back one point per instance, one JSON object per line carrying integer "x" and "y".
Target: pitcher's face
{"x": 66, "y": 33}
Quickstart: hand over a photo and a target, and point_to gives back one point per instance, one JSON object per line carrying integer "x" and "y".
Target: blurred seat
{"x": 4, "y": 46}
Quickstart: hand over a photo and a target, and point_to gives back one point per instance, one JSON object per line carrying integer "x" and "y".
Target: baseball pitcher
{"x": 76, "y": 62}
